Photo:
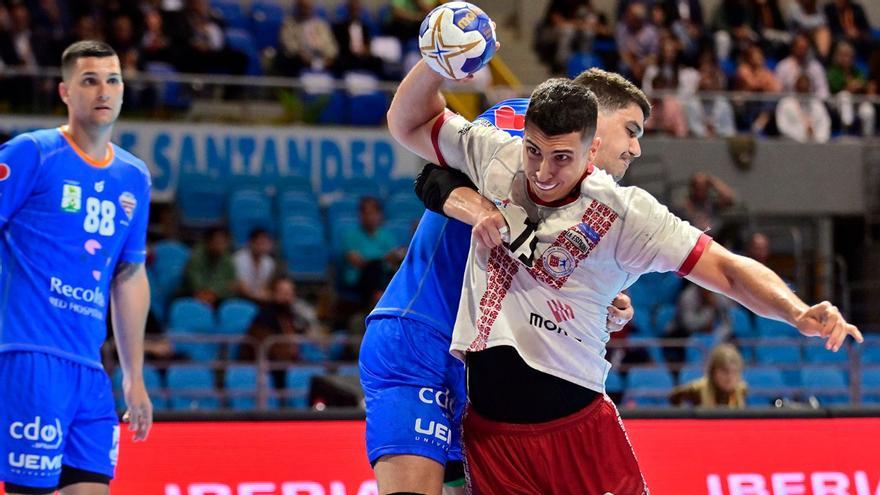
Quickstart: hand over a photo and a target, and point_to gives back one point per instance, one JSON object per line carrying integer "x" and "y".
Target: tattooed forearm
{"x": 125, "y": 271}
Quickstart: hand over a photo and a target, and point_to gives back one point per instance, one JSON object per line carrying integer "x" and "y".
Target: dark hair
{"x": 559, "y": 106}
{"x": 277, "y": 279}
{"x": 258, "y": 232}
{"x": 81, "y": 49}
{"x": 612, "y": 91}
{"x": 369, "y": 200}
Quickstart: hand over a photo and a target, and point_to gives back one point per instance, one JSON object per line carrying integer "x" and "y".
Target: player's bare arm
{"x": 417, "y": 104}
{"x": 130, "y": 303}
{"x": 762, "y": 291}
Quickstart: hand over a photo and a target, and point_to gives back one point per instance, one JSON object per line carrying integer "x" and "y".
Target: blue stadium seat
{"x": 166, "y": 273}
{"x": 663, "y": 287}
{"x": 235, "y": 316}
{"x": 337, "y": 233}
{"x": 402, "y": 230}
{"x": 741, "y": 323}
{"x": 815, "y": 352}
{"x": 655, "y": 352}
{"x": 698, "y": 347}
{"x": 342, "y": 207}
{"x": 192, "y": 387}
{"x": 664, "y": 315}
{"x": 827, "y": 383}
{"x": 244, "y": 182}
{"x": 240, "y": 385}
{"x": 230, "y": 12}
{"x": 581, "y": 61}
{"x": 304, "y": 246}
{"x": 690, "y": 373}
{"x": 266, "y": 20}
{"x": 348, "y": 370}
{"x": 293, "y": 183}
{"x": 613, "y": 383}
{"x": 648, "y": 386}
{"x": 400, "y": 185}
{"x": 201, "y": 200}
{"x": 153, "y": 382}
{"x": 765, "y": 383}
{"x": 870, "y": 350}
{"x": 368, "y": 109}
{"x": 358, "y": 187}
{"x": 766, "y": 327}
{"x": 781, "y": 354}
{"x": 170, "y": 93}
{"x": 298, "y": 204}
{"x": 240, "y": 39}
{"x": 404, "y": 206}
{"x": 248, "y": 210}
{"x": 192, "y": 317}
{"x": 298, "y": 380}
{"x": 871, "y": 385}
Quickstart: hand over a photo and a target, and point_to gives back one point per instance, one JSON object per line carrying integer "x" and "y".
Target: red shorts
{"x": 586, "y": 453}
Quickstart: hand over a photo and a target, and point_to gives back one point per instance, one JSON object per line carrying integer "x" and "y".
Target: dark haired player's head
{"x": 559, "y": 140}
{"x": 91, "y": 85}
{"x": 623, "y": 110}
{"x": 83, "y": 49}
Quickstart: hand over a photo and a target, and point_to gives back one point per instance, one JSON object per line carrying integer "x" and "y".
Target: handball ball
{"x": 457, "y": 39}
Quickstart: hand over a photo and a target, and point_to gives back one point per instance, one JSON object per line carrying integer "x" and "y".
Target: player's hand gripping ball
{"x": 457, "y": 39}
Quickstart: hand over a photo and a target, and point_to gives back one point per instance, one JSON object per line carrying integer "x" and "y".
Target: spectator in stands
{"x": 568, "y": 26}
{"x": 733, "y": 31}
{"x": 51, "y": 23}
{"x": 806, "y": 16}
{"x": 707, "y": 117}
{"x": 686, "y": 20}
{"x": 155, "y": 43}
{"x": 20, "y": 47}
{"x": 722, "y": 386}
{"x": 282, "y": 314}
{"x": 758, "y": 248}
{"x": 803, "y": 117}
{"x": 370, "y": 252}
{"x": 306, "y": 41}
{"x": 210, "y": 274}
{"x": 206, "y": 50}
{"x": 753, "y": 75}
{"x": 122, "y": 34}
{"x": 85, "y": 27}
{"x": 768, "y": 23}
{"x": 802, "y": 62}
{"x": 406, "y": 17}
{"x": 254, "y": 266}
{"x": 847, "y": 20}
{"x": 699, "y": 312}
{"x": 353, "y": 39}
{"x": 845, "y": 80}
{"x": 707, "y": 198}
{"x": 667, "y": 114}
{"x": 638, "y": 42}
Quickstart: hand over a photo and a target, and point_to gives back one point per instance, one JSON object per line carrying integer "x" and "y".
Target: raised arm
{"x": 130, "y": 303}
{"x": 758, "y": 288}
{"x": 417, "y": 104}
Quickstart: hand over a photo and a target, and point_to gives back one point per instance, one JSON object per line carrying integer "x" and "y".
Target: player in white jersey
{"x": 529, "y": 323}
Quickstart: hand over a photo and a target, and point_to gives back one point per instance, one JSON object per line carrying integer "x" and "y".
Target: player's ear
{"x": 63, "y": 91}
{"x": 594, "y": 149}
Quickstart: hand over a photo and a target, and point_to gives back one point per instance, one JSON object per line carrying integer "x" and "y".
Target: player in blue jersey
{"x": 73, "y": 220}
{"x": 414, "y": 388}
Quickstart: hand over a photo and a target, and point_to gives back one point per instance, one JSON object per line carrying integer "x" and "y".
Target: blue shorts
{"x": 414, "y": 390}
{"x": 54, "y": 412}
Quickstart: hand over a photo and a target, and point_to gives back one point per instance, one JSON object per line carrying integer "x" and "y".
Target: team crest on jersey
{"x": 99, "y": 186}
{"x": 128, "y": 203}
{"x": 5, "y": 172}
{"x": 71, "y": 198}
{"x": 558, "y": 262}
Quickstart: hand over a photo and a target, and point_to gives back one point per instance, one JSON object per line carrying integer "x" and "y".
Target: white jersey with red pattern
{"x": 546, "y": 293}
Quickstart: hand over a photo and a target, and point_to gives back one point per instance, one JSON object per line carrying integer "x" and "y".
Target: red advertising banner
{"x": 679, "y": 457}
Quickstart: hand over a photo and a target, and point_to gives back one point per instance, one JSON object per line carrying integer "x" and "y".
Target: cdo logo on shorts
{"x": 44, "y": 435}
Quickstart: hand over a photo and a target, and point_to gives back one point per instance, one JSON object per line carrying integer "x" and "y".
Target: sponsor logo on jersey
{"x": 5, "y": 172}
{"x": 501, "y": 203}
{"x": 588, "y": 231}
{"x": 483, "y": 122}
{"x": 542, "y": 323}
{"x": 44, "y": 434}
{"x": 465, "y": 129}
{"x": 440, "y": 397}
{"x": 99, "y": 186}
{"x": 561, "y": 311}
{"x": 71, "y": 198}
{"x": 558, "y": 262}
{"x": 577, "y": 239}
{"x": 128, "y": 203}
{"x": 94, "y": 296}
{"x": 92, "y": 246}
{"x": 507, "y": 119}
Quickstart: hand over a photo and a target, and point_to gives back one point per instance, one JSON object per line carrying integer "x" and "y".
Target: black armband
{"x": 434, "y": 184}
